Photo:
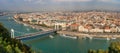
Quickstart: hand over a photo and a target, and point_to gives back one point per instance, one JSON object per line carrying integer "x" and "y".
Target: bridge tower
{"x": 56, "y": 26}
{"x": 12, "y": 33}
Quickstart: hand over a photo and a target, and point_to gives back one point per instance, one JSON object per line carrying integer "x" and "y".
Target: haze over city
{"x": 53, "y": 5}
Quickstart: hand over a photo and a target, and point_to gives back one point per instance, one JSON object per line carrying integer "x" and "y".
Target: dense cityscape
{"x": 99, "y": 22}
{"x": 83, "y": 21}
{"x": 59, "y": 26}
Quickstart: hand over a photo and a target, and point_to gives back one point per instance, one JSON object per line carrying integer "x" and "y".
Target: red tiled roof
{"x": 74, "y": 24}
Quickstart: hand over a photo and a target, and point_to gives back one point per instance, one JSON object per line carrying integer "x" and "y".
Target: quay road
{"x": 91, "y": 35}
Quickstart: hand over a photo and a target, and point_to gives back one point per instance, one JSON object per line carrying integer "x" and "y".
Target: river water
{"x": 58, "y": 44}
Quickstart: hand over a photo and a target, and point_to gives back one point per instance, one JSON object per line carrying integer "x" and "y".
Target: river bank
{"x": 89, "y": 35}
{"x": 76, "y": 34}
{"x": 33, "y": 26}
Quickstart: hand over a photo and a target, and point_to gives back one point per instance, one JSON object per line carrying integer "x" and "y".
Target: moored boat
{"x": 68, "y": 36}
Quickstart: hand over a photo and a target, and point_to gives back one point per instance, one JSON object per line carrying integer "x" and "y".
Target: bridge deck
{"x": 34, "y": 34}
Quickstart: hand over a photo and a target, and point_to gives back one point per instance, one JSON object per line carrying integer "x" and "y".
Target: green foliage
{"x": 100, "y": 51}
{"x": 17, "y": 50}
{"x": 113, "y": 48}
{"x": 92, "y": 51}
{"x": 2, "y": 50}
{"x": 11, "y": 45}
{"x": 4, "y": 32}
{"x": 8, "y": 49}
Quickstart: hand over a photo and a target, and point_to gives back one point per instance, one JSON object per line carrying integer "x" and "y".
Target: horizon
{"x": 59, "y": 5}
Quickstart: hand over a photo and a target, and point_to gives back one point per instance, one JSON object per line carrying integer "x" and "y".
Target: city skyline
{"x": 54, "y": 5}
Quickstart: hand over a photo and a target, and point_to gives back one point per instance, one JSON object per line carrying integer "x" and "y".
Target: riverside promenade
{"x": 93, "y": 35}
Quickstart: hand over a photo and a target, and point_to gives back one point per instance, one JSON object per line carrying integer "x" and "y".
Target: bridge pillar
{"x": 12, "y": 33}
{"x": 56, "y": 26}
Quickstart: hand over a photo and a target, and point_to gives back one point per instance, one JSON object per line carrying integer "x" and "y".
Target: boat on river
{"x": 108, "y": 38}
{"x": 68, "y": 36}
{"x": 25, "y": 24}
{"x": 28, "y": 29}
{"x": 51, "y": 36}
{"x": 113, "y": 38}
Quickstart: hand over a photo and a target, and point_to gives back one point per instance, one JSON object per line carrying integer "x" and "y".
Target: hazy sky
{"x": 40, "y": 5}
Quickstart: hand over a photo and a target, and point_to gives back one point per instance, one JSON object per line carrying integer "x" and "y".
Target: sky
{"x": 56, "y": 5}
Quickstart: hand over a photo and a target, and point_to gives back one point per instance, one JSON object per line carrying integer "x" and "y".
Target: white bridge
{"x": 31, "y": 35}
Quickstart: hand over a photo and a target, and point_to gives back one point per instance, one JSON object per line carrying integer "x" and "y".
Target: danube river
{"x": 58, "y": 44}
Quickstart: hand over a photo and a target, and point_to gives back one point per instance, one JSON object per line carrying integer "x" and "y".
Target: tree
{"x": 17, "y": 50}
{"x": 9, "y": 49}
{"x": 4, "y": 32}
{"x": 113, "y": 48}
{"x": 11, "y": 45}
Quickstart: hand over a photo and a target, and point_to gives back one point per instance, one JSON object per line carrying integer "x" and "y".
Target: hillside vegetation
{"x": 11, "y": 45}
